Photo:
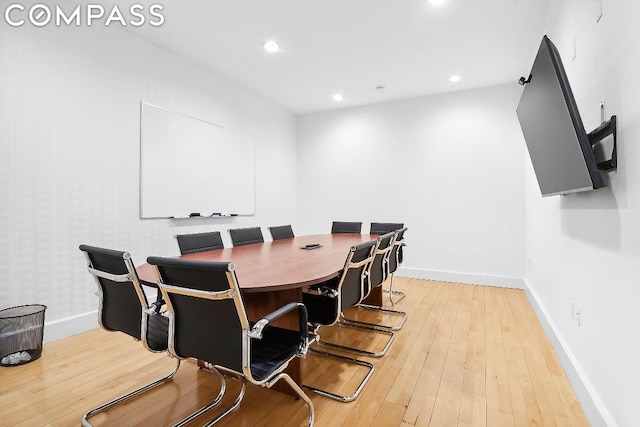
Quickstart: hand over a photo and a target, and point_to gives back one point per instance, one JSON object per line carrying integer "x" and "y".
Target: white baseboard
{"x": 456, "y": 277}
{"x": 66, "y": 327}
{"x": 592, "y": 405}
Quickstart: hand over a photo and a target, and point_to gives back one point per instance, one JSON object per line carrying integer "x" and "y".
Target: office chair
{"x": 199, "y": 242}
{"x": 325, "y": 303}
{"x": 377, "y": 273}
{"x": 281, "y": 232}
{"x": 384, "y": 227}
{"x": 207, "y": 321}
{"x": 346, "y": 227}
{"x": 246, "y": 236}
{"x": 394, "y": 260}
{"x": 124, "y": 308}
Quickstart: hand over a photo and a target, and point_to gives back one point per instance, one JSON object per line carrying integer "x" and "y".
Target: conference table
{"x": 272, "y": 274}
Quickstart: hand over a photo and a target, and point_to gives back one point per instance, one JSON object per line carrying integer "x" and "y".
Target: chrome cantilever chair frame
{"x": 395, "y": 253}
{"x": 248, "y": 334}
{"x": 147, "y": 311}
{"x": 380, "y": 259}
{"x": 336, "y": 294}
{"x": 335, "y": 396}
{"x": 348, "y": 266}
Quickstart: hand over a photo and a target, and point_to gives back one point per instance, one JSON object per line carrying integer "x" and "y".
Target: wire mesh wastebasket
{"x": 21, "y": 333}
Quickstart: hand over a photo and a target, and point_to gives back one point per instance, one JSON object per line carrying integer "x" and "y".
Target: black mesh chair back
{"x": 353, "y": 275}
{"x": 199, "y": 242}
{"x": 348, "y": 288}
{"x": 246, "y": 236}
{"x": 384, "y": 227}
{"x": 378, "y": 269}
{"x": 281, "y": 232}
{"x": 346, "y": 227}
{"x": 395, "y": 258}
{"x": 123, "y": 302}
{"x": 200, "y": 322}
{"x": 325, "y": 304}
{"x": 208, "y": 322}
{"x": 377, "y": 273}
{"x": 123, "y": 307}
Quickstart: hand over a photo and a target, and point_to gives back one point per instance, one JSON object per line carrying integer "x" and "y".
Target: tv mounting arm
{"x": 597, "y": 135}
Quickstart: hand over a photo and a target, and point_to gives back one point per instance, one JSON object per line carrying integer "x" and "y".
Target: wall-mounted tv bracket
{"x": 601, "y": 132}
{"x": 522, "y": 80}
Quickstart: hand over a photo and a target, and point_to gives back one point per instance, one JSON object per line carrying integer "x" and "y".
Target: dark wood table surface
{"x": 280, "y": 264}
{"x": 273, "y": 274}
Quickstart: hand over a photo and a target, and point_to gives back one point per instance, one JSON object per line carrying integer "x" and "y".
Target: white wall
{"x": 585, "y": 248}
{"x": 69, "y": 168}
{"x": 450, "y": 167}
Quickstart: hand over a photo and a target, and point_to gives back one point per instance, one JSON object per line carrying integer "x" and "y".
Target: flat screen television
{"x": 559, "y": 147}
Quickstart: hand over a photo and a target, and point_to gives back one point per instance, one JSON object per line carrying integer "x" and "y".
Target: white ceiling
{"x": 352, "y": 46}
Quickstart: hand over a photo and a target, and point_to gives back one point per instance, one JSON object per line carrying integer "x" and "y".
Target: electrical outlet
{"x": 578, "y": 317}
{"x": 572, "y": 310}
{"x": 603, "y": 110}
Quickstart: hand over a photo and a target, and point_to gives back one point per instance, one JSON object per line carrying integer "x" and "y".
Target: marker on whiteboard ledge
{"x": 216, "y": 214}
{"x": 194, "y": 214}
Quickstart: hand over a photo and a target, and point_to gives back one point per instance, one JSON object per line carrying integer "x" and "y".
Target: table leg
{"x": 375, "y": 297}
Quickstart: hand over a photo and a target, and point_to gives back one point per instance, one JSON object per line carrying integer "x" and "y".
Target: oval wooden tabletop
{"x": 280, "y": 264}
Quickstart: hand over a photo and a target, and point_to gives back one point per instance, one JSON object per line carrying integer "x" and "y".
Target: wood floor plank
{"x": 473, "y": 404}
{"x": 515, "y": 363}
{"x": 469, "y": 356}
{"x": 435, "y": 363}
{"x": 390, "y": 414}
{"x": 417, "y": 346}
{"x": 499, "y": 399}
{"x": 426, "y": 386}
{"x": 449, "y": 398}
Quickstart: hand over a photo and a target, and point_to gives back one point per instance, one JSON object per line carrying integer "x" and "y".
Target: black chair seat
{"x": 320, "y": 310}
{"x": 268, "y": 354}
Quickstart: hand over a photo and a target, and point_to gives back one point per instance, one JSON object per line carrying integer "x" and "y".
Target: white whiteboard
{"x": 191, "y": 166}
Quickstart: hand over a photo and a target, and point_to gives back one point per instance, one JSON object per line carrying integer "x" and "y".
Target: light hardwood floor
{"x": 467, "y": 356}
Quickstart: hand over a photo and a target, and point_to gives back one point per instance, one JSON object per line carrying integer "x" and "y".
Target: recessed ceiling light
{"x": 437, "y": 2}
{"x": 337, "y": 97}
{"x": 455, "y": 78}
{"x": 271, "y": 46}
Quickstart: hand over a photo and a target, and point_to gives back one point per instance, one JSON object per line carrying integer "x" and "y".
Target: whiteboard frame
{"x": 245, "y": 160}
